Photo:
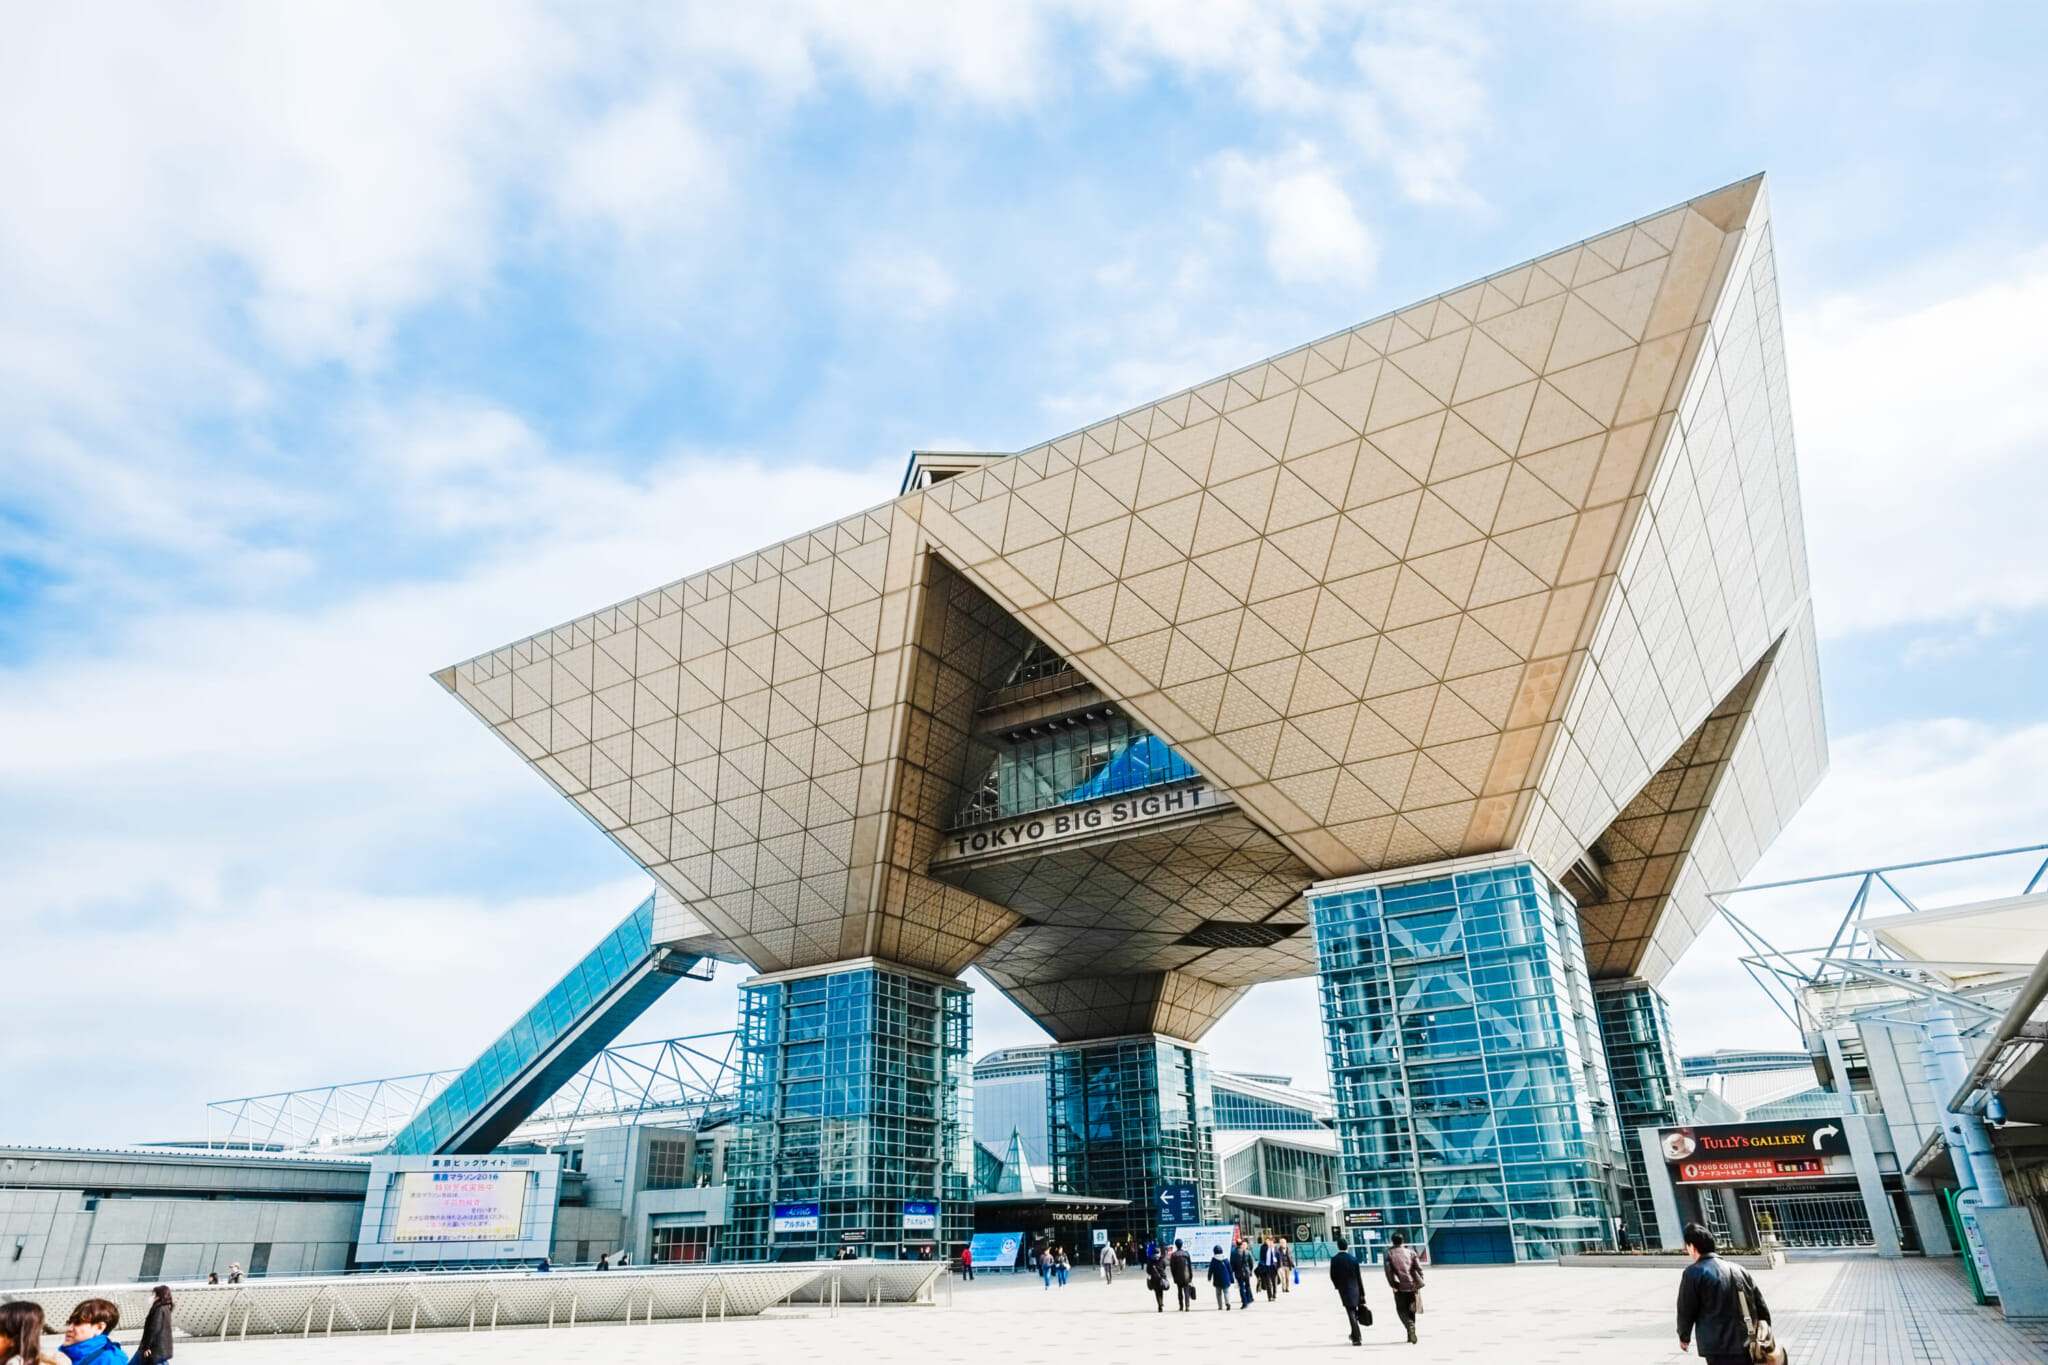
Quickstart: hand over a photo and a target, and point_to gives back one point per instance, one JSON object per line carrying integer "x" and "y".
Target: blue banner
{"x": 1180, "y": 1204}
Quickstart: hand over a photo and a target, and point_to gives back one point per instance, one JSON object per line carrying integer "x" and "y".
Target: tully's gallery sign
{"x": 1750, "y": 1141}
{"x": 1752, "y": 1151}
{"x": 1062, "y": 823}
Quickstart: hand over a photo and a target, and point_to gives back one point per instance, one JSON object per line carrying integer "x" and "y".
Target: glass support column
{"x": 1474, "y": 1110}
{"x": 1127, "y": 1117}
{"x": 853, "y": 1116}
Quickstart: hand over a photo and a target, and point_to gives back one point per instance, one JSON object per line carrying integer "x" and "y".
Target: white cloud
{"x": 1313, "y": 233}
{"x": 1422, "y": 104}
{"x": 230, "y": 795}
{"x": 898, "y": 280}
{"x": 1923, "y": 444}
{"x": 644, "y": 170}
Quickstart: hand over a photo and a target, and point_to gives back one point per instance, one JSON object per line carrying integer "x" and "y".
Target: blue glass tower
{"x": 1649, "y": 1085}
{"x": 1473, "y": 1104}
{"x": 854, "y": 1123}
{"x": 1127, "y": 1116}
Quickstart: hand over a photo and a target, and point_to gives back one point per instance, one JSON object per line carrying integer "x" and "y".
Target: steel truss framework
{"x": 691, "y": 1081}
{"x": 1855, "y": 974}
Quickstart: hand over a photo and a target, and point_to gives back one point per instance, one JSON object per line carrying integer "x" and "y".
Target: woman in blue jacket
{"x": 1219, "y": 1275}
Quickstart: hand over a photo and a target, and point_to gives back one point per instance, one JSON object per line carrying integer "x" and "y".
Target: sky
{"x": 342, "y": 342}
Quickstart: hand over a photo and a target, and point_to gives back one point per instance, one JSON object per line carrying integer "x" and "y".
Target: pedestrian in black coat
{"x": 1183, "y": 1268}
{"x": 1155, "y": 1276}
{"x": 155, "y": 1346}
{"x": 1710, "y": 1300}
{"x": 1350, "y": 1286}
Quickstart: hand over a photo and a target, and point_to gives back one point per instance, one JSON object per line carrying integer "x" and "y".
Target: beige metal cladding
{"x": 1466, "y": 577}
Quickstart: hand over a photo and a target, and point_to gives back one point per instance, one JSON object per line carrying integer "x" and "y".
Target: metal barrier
{"x": 325, "y": 1305}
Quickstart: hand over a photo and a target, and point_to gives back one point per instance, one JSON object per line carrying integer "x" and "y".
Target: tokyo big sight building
{"x": 1451, "y": 659}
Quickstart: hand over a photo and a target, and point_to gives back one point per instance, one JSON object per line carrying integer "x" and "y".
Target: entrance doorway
{"x": 1471, "y": 1246}
{"x": 1812, "y": 1220}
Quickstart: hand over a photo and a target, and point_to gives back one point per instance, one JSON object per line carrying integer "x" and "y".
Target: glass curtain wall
{"x": 1077, "y": 758}
{"x": 1473, "y": 1105}
{"x": 1649, "y": 1087}
{"x": 851, "y": 1099}
{"x": 1235, "y": 1109}
{"x": 1128, "y": 1116}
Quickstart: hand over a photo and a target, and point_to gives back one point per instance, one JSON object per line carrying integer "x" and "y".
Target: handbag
{"x": 1764, "y": 1348}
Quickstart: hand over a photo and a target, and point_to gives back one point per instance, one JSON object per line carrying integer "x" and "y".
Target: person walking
{"x": 967, "y": 1261}
{"x": 234, "y": 1272}
{"x": 1710, "y": 1294}
{"x": 1269, "y": 1266}
{"x": 1045, "y": 1266}
{"x": 1155, "y": 1276}
{"x": 21, "y": 1334}
{"x": 1183, "y": 1267}
{"x": 1060, "y": 1265}
{"x": 1350, "y": 1286}
{"x": 1287, "y": 1271}
{"x": 1107, "y": 1260}
{"x": 155, "y": 1346}
{"x": 1219, "y": 1276}
{"x": 604, "y": 1261}
{"x": 1241, "y": 1271}
{"x": 1404, "y": 1276}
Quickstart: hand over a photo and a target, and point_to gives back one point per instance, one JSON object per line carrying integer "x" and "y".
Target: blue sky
{"x": 338, "y": 343}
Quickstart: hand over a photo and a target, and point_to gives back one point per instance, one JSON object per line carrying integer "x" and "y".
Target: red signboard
{"x": 1701, "y": 1172}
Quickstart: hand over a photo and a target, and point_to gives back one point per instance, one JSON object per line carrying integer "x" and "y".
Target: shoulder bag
{"x": 1764, "y": 1348}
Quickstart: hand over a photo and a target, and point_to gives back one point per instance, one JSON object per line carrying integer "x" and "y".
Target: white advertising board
{"x": 1201, "y": 1240}
{"x": 460, "y": 1206}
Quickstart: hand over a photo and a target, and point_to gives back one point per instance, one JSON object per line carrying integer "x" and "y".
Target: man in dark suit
{"x": 1350, "y": 1287}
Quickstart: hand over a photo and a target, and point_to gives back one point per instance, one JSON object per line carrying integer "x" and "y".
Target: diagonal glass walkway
{"x": 594, "y": 1002}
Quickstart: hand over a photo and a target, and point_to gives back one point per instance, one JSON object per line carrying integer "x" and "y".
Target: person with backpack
{"x": 1720, "y": 1301}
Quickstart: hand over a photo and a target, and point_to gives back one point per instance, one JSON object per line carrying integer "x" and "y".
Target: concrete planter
{"x": 1667, "y": 1261}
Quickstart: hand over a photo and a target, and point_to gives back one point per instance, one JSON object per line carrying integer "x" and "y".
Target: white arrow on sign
{"x": 1823, "y": 1131}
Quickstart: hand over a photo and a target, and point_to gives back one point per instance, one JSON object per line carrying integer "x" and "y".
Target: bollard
{"x": 572, "y": 1310}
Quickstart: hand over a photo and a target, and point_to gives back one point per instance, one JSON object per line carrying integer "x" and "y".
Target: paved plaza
{"x": 1846, "y": 1312}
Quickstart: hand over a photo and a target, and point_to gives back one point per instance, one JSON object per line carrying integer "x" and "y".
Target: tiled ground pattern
{"x": 1862, "y": 1312}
